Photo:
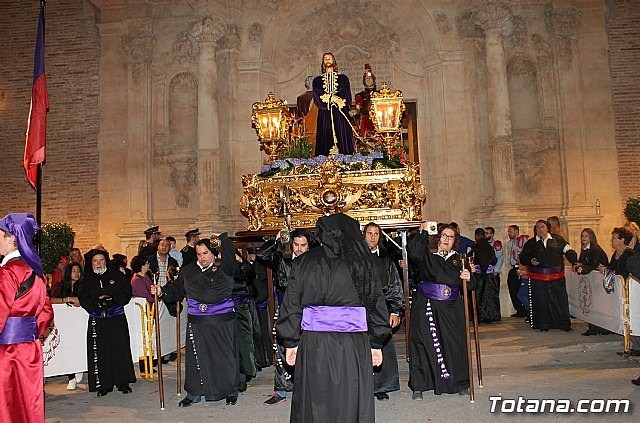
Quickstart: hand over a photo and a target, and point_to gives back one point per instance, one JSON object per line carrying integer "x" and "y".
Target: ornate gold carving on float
{"x": 295, "y": 192}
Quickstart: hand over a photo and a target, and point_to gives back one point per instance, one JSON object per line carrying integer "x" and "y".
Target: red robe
{"x": 21, "y": 367}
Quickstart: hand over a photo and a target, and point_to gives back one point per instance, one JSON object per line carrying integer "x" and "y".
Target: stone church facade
{"x": 515, "y": 101}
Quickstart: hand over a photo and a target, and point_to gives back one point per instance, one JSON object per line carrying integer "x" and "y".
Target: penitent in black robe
{"x": 109, "y": 359}
{"x": 426, "y": 372}
{"x": 386, "y": 377}
{"x": 334, "y": 373}
{"x": 487, "y": 286}
{"x": 549, "y": 303}
{"x": 212, "y": 351}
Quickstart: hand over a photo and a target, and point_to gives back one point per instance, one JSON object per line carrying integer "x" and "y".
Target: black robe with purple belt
{"x": 334, "y": 373}
{"x": 437, "y": 339}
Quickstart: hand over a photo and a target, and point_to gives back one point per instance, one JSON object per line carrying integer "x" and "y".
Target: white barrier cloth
{"x": 589, "y": 301}
{"x": 65, "y": 349}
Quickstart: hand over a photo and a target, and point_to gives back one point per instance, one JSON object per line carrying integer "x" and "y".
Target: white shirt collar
{"x": 204, "y": 268}
{"x": 9, "y": 256}
{"x": 449, "y": 254}
{"x": 586, "y": 247}
{"x": 376, "y": 251}
{"x": 544, "y": 240}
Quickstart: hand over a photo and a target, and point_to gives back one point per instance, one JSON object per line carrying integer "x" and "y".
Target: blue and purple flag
{"x": 35, "y": 146}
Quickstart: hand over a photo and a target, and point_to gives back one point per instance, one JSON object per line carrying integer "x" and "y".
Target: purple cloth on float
{"x": 107, "y": 313}
{"x": 240, "y": 299}
{"x": 334, "y": 319}
{"x": 438, "y": 291}
{"x": 280, "y": 295}
{"x": 18, "y": 330}
{"x": 262, "y": 305}
{"x": 196, "y": 308}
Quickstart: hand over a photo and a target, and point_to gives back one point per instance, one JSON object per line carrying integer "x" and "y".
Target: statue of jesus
{"x": 332, "y": 96}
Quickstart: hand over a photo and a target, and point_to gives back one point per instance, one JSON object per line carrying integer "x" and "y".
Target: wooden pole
{"x": 158, "y": 346}
{"x": 476, "y": 336}
{"x": 407, "y": 300}
{"x": 179, "y": 358}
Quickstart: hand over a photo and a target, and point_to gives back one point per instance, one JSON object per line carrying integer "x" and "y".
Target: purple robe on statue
{"x": 324, "y": 133}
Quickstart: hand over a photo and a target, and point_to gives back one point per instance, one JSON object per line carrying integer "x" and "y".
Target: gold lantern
{"x": 271, "y": 119}
{"x": 385, "y": 111}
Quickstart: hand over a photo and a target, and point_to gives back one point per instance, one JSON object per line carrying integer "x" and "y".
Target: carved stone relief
{"x": 442, "y": 22}
{"x": 185, "y": 49}
{"x": 256, "y": 31}
{"x": 536, "y": 166}
{"x": 207, "y": 29}
{"x": 138, "y": 46}
{"x": 563, "y": 25}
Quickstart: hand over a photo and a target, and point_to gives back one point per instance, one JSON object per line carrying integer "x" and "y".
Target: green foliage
{"x": 632, "y": 210}
{"x": 57, "y": 240}
{"x": 299, "y": 147}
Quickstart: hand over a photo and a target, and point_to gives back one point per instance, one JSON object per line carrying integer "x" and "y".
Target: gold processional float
{"x": 294, "y": 189}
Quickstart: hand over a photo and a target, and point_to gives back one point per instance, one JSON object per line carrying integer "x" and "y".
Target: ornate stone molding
{"x": 185, "y": 49}
{"x": 442, "y": 22}
{"x": 256, "y": 31}
{"x": 563, "y": 25}
{"x": 208, "y": 29}
{"x": 491, "y": 14}
{"x": 138, "y": 45}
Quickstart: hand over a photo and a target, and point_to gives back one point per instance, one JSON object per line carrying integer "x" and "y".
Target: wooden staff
{"x": 476, "y": 336}
{"x": 179, "y": 358}
{"x": 158, "y": 348}
{"x": 407, "y": 301}
{"x": 467, "y": 333}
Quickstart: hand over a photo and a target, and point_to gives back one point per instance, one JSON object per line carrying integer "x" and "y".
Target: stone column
{"x": 491, "y": 16}
{"x": 207, "y": 32}
{"x": 138, "y": 44}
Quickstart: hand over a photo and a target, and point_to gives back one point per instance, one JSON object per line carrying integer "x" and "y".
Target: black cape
{"x": 109, "y": 360}
{"x": 212, "y": 351}
{"x": 425, "y": 372}
{"x": 334, "y": 373}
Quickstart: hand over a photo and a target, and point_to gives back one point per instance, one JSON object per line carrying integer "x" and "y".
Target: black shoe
{"x": 102, "y": 392}
{"x": 242, "y": 386}
{"x": 382, "y": 396}
{"x": 567, "y": 330}
{"x": 165, "y": 359}
{"x": 416, "y": 396}
{"x": 519, "y": 314}
{"x": 275, "y": 399}
{"x": 232, "y": 400}
{"x": 125, "y": 389}
{"x": 636, "y": 381}
{"x": 590, "y": 332}
{"x": 173, "y": 356}
{"x": 185, "y": 403}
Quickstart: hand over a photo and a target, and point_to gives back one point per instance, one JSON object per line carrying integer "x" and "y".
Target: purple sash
{"x": 262, "y": 305}
{"x": 490, "y": 269}
{"x": 334, "y": 319}
{"x": 196, "y": 308}
{"x": 439, "y": 291}
{"x": 240, "y": 299}
{"x": 18, "y": 330}
{"x": 107, "y": 313}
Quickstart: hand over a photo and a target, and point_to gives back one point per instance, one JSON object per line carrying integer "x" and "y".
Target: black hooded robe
{"x": 109, "y": 359}
{"x": 425, "y": 372}
{"x": 212, "y": 350}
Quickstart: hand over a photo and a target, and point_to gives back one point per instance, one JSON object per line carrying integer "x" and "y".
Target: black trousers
{"x": 513, "y": 282}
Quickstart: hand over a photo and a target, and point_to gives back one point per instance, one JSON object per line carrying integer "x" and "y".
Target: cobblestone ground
{"x": 516, "y": 362}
